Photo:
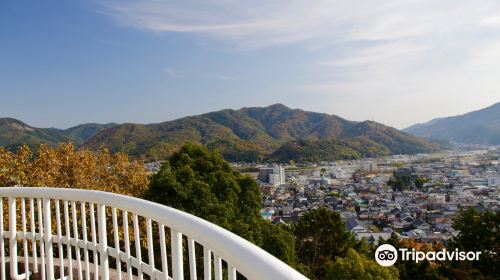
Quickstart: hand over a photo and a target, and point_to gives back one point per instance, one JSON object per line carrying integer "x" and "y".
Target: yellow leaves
{"x": 6, "y": 161}
{"x": 67, "y": 167}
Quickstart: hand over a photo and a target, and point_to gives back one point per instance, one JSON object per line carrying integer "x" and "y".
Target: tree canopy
{"x": 202, "y": 183}
{"x": 358, "y": 267}
{"x": 68, "y": 167}
{"x": 320, "y": 238}
{"x": 478, "y": 232}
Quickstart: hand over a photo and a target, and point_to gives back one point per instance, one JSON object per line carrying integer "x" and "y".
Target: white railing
{"x": 55, "y": 234}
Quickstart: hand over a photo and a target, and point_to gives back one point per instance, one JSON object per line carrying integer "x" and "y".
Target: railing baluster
{"x": 94, "y": 240}
{"x": 231, "y": 272}
{"x": 218, "y": 267}
{"x": 33, "y": 237}
{"x": 177, "y": 266}
{"x": 127, "y": 244}
{"x": 192, "y": 259}
{"x": 75, "y": 235}
{"x": 59, "y": 243}
{"x": 69, "y": 256}
{"x": 47, "y": 217}
{"x": 207, "y": 264}
{"x": 42, "y": 244}
{"x": 103, "y": 241}
{"x": 85, "y": 240}
{"x": 163, "y": 251}
{"x": 151, "y": 254}
{"x": 13, "y": 238}
{"x": 2, "y": 249}
{"x": 137, "y": 242}
{"x": 25, "y": 241}
{"x": 117, "y": 244}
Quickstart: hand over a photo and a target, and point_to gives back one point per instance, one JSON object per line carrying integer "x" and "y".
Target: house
{"x": 421, "y": 225}
{"x": 354, "y": 225}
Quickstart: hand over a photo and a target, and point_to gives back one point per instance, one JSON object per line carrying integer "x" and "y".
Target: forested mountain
{"x": 14, "y": 133}
{"x": 83, "y": 132}
{"x": 275, "y": 132}
{"x": 478, "y": 127}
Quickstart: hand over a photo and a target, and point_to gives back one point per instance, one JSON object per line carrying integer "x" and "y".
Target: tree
{"x": 204, "y": 184}
{"x": 67, "y": 167}
{"x": 201, "y": 182}
{"x": 278, "y": 240}
{"x": 320, "y": 237}
{"x": 478, "y": 232}
{"x": 408, "y": 269}
{"x": 419, "y": 182}
{"x": 396, "y": 184}
{"x": 358, "y": 267}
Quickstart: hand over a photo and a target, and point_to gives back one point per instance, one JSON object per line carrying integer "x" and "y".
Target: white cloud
{"x": 172, "y": 73}
{"x": 493, "y": 21}
{"x": 262, "y": 23}
{"x": 372, "y": 53}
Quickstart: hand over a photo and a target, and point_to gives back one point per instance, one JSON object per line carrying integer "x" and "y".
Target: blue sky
{"x": 397, "y": 62}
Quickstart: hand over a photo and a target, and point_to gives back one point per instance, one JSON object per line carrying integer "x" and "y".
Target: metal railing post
{"x": 177, "y": 264}
{"x": 13, "y": 237}
{"x": 103, "y": 241}
{"x": 14, "y": 274}
{"x": 47, "y": 224}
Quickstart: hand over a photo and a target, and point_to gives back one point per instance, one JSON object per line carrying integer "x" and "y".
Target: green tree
{"x": 419, "y": 182}
{"x": 358, "y": 267}
{"x": 201, "y": 182}
{"x": 478, "y": 232}
{"x": 396, "y": 184}
{"x": 320, "y": 237}
{"x": 279, "y": 241}
{"x": 204, "y": 184}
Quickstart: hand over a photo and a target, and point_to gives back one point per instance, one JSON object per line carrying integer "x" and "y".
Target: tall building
{"x": 272, "y": 175}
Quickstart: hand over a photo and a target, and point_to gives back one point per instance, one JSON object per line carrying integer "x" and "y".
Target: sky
{"x": 64, "y": 63}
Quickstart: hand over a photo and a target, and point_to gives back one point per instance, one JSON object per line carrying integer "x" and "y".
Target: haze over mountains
{"x": 275, "y": 133}
{"x": 478, "y": 127}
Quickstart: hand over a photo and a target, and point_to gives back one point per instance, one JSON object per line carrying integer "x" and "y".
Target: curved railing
{"x": 55, "y": 233}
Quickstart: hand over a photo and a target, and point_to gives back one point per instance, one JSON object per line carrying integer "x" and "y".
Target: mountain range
{"x": 275, "y": 133}
{"x": 14, "y": 133}
{"x": 477, "y": 127}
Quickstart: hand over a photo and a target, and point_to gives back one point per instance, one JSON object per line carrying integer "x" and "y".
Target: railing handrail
{"x": 250, "y": 260}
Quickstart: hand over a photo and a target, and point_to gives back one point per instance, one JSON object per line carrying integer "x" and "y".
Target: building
{"x": 272, "y": 175}
{"x": 493, "y": 181}
{"x": 368, "y": 166}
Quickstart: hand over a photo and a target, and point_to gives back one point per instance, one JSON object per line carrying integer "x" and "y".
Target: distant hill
{"x": 14, "y": 133}
{"x": 478, "y": 127}
{"x": 276, "y": 133}
{"x": 81, "y": 133}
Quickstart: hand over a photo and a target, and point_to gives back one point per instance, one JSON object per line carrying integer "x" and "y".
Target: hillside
{"x": 14, "y": 133}
{"x": 256, "y": 133}
{"x": 478, "y": 127}
{"x": 81, "y": 133}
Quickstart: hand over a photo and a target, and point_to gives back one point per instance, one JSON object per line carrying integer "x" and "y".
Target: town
{"x": 413, "y": 196}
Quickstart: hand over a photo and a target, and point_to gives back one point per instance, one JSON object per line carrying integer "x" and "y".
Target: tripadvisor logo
{"x": 387, "y": 255}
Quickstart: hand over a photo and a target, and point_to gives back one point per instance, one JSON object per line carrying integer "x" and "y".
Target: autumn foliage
{"x": 67, "y": 167}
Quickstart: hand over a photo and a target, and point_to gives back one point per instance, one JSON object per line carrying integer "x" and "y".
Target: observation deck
{"x": 57, "y": 233}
